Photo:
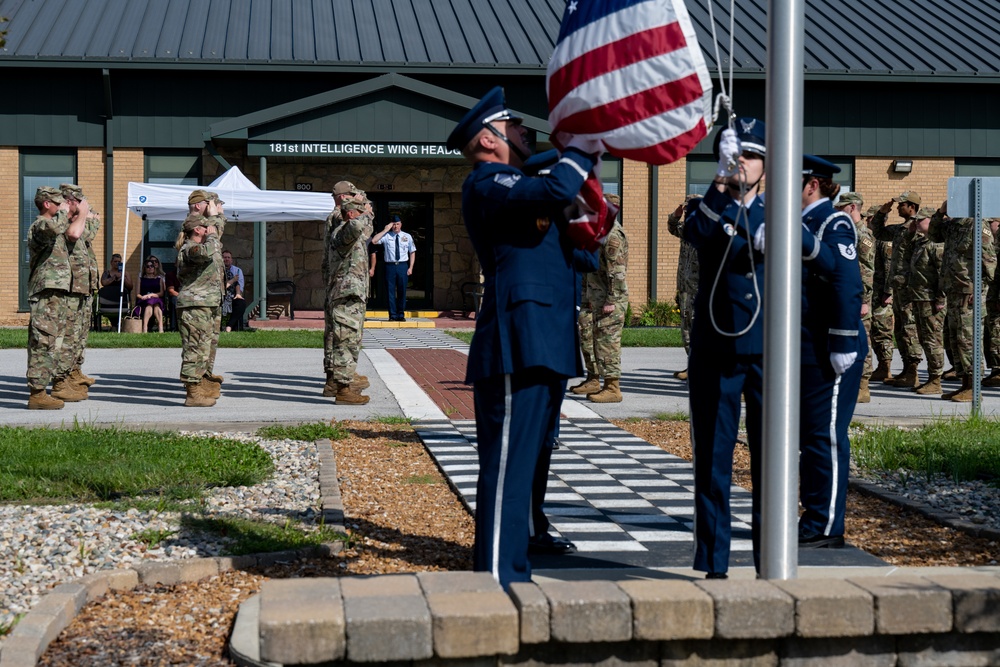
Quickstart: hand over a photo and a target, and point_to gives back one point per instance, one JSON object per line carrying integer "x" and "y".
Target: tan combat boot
{"x": 330, "y": 388}
{"x": 993, "y": 380}
{"x": 78, "y": 377}
{"x": 908, "y": 378}
{"x": 215, "y": 378}
{"x": 589, "y": 386}
{"x": 360, "y": 382}
{"x": 65, "y": 390}
{"x": 347, "y": 395}
{"x": 966, "y": 386}
{"x": 611, "y": 393}
{"x": 196, "y": 397}
{"x": 40, "y": 400}
{"x": 210, "y": 388}
{"x": 864, "y": 395}
{"x": 951, "y": 375}
{"x": 882, "y": 373}
{"x": 681, "y": 375}
{"x": 932, "y": 386}
{"x": 963, "y": 395}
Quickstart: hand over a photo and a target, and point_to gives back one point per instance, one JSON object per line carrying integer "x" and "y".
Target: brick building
{"x": 302, "y": 94}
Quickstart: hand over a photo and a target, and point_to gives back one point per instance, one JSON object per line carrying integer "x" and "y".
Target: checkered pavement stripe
{"x": 382, "y": 339}
{"x": 608, "y": 491}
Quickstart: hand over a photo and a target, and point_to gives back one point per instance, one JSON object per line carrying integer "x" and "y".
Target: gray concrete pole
{"x": 782, "y": 291}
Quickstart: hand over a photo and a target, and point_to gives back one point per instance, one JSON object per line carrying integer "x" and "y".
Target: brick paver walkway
{"x": 441, "y": 374}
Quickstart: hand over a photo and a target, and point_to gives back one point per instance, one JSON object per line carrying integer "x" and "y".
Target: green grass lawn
{"x": 18, "y": 338}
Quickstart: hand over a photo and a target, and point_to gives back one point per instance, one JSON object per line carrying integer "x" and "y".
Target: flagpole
{"x": 782, "y": 291}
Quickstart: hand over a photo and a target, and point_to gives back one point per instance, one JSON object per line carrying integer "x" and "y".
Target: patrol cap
{"x": 813, "y": 165}
{"x": 926, "y": 212}
{"x": 909, "y": 196}
{"x": 493, "y": 107}
{"x": 850, "y": 198}
{"x": 47, "y": 193}
{"x": 345, "y": 188}
{"x": 395, "y": 218}
{"x": 614, "y": 199}
{"x": 352, "y": 206}
{"x": 873, "y": 209}
{"x": 194, "y": 220}
{"x": 199, "y": 196}
{"x": 751, "y": 133}
{"x": 540, "y": 162}
{"x": 214, "y": 196}
{"x": 71, "y": 190}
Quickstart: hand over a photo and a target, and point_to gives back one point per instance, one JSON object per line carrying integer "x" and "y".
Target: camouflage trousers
{"x": 586, "y": 322}
{"x": 685, "y": 304}
{"x": 52, "y": 339}
{"x": 83, "y": 322}
{"x": 949, "y": 344}
{"x": 866, "y": 322}
{"x": 960, "y": 326}
{"x": 607, "y": 342}
{"x": 199, "y": 326}
{"x": 905, "y": 329}
{"x": 881, "y": 333}
{"x": 345, "y": 321}
{"x": 991, "y": 334}
{"x": 930, "y": 330}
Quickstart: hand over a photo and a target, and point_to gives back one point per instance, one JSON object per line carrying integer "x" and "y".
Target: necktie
{"x": 398, "y": 258}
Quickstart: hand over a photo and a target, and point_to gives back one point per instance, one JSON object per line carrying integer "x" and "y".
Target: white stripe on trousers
{"x": 498, "y": 500}
{"x": 834, "y": 461}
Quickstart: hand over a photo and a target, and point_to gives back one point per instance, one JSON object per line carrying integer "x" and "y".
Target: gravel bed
{"x": 43, "y": 546}
{"x": 975, "y": 501}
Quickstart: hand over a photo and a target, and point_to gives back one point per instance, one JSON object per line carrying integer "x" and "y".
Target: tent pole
{"x": 260, "y": 280}
{"x": 121, "y": 287}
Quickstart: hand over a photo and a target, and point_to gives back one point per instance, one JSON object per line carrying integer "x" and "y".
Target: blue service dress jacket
{"x": 528, "y": 314}
{"x": 832, "y": 289}
{"x": 718, "y": 230}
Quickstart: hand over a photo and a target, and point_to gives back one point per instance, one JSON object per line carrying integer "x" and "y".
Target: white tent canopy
{"x": 244, "y": 200}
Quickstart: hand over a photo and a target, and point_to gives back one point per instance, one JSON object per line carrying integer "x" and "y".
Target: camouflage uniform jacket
{"x": 347, "y": 251}
{"x": 50, "y": 252}
{"x": 332, "y": 222}
{"x": 866, "y": 260}
{"x": 925, "y": 282}
{"x": 894, "y": 234}
{"x": 993, "y": 294}
{"x": 199, "y": 271}
{"x": 607, "y": 283}
{"x": 687, "y": 261}
{"x": 93, "y": 224}
{"x": 880, "y": 281}
{"x": 959, "y": 251}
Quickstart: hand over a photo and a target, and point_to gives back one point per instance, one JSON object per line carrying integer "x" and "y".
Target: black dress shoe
{"x": 549, "y": 545}
{"x": 716, "y": 575}
{"x": 822, "y": 542}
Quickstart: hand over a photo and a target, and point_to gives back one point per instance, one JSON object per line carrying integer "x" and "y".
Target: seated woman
{"x": 152, "y": 288}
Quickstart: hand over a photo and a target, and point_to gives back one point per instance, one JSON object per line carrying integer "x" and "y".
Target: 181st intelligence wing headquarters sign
{"x": 346, "y": 149}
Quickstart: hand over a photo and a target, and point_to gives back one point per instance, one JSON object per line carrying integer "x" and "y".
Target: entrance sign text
{"x": 365, "y": 149}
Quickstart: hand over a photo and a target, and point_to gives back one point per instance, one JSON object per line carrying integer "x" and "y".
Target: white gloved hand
{"x": 841, "y": 361}
{"x": 758, "y": 238}
{"x": 588, "y": 145}
{"x": 730, "y": 150}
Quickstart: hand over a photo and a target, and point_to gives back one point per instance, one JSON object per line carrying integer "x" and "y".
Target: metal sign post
{"x": 976, "y": 198}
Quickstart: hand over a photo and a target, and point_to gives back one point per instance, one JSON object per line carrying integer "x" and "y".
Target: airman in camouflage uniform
{"x": 925, "y": 290}
{"x": 347, "y": 289}
{"x": 199, "y": 304}
{"x": 905, "y": 324}
{"x": 208, "y": 206}
{"x": 84, "y": 254}
{"x": 882, "y": 322}
{"x": 687, "y": 276}
{"x": 56, "y": 289}
{"x": 957, "y": 263}
{"x": 607, "y": 293}
{"x": 992, "y": 331}
{"x": 851, "y": 204}
{"x": 343, "y": 192}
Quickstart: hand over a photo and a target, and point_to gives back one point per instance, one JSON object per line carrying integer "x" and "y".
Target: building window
{"x": 977, "y": 168}
{"x": 158, "y": 236}
{"x": 611, "y": 175}
{"x": 38, "y": 167}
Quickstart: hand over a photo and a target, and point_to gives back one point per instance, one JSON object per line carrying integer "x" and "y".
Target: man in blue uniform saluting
{"x": 526, "y": 344}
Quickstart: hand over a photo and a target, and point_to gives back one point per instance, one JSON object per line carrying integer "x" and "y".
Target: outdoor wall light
{"x": 902, "y": 166}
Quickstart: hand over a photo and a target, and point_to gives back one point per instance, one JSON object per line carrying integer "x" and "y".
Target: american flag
{"x": 631, "y": 73}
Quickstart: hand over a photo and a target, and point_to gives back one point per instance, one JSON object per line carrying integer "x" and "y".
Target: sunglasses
{"x": 150, "y": 263}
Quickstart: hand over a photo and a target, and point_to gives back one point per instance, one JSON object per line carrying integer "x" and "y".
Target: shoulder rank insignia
{"x": 849, "y": 252}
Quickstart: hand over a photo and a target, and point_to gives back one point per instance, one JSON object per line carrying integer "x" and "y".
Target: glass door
{"x": 417, "y": 214}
